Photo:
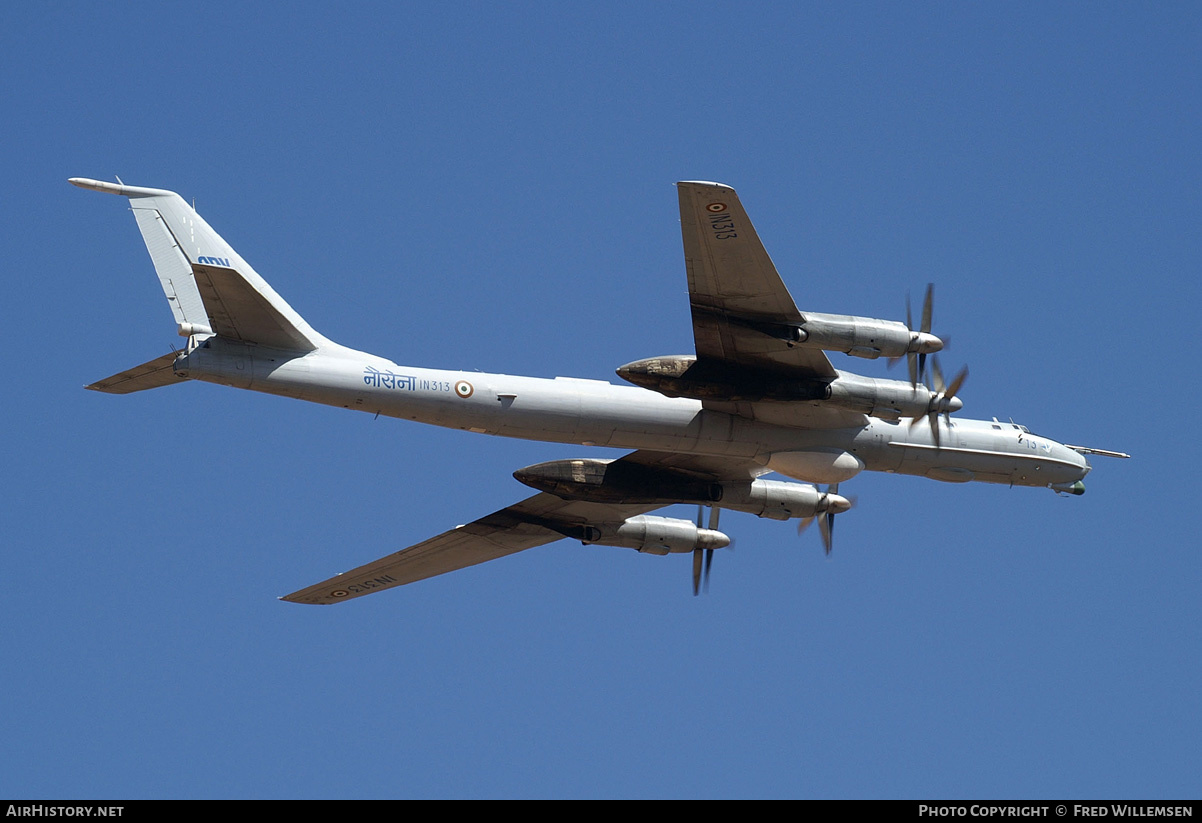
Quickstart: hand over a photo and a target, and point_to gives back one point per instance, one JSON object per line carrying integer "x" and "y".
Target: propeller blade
{"x": 917, "y": 361}
{"x": 825, "y": 515}
{"x": 927, "y": 309}
{"x": 957, "y": 383}
{"x": 696, "y": 571}
{"x": 715, "y": 512}
{"x": 937, "y": 375}
{"x": 934, "y": 418}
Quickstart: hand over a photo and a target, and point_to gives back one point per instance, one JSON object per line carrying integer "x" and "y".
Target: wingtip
{"x": 709, "y": 183}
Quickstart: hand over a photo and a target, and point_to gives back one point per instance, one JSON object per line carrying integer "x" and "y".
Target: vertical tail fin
{"x": 208, "y": 285}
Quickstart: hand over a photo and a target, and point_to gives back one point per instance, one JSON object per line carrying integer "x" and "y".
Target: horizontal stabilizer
{"x": 149, "y": 375}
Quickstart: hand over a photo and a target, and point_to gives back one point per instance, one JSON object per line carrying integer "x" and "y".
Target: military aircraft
{"x": 758, "y": 395}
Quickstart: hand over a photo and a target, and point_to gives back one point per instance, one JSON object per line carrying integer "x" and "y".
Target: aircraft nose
{"x": 1085, "y": 467}
{"x": 1078, "y": 460}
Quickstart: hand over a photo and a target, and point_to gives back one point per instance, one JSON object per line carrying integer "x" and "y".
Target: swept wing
{"x": 532, "y": 522}
{"x": 744, "y": 319}
{"x": 742, "y": 313}
{"x": 535, "y": 521}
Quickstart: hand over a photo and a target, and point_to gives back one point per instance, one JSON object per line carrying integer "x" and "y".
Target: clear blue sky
{"x": 489, "y": 186}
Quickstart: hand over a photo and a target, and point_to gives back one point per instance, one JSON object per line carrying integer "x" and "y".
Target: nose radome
{"x": 1085, "y": 467}
{"x": 1074, "y": 457}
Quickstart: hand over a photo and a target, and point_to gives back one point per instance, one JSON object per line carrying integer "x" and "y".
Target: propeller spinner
{"x": 830, "y": 504}
{"x": 943, "y": 398}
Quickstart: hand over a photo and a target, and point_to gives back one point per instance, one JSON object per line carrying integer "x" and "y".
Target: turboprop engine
{"x": 658, "y": 535}
{"x": 865, "y": 337}
{"x": 889, "y": 399}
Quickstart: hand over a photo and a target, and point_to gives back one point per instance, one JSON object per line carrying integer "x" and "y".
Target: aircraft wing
{"x": 742, "y": 312}
{"x": 535, "y": 521}
{"x": 524, "y": 525}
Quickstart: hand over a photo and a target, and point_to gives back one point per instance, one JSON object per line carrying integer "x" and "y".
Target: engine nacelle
{"x": 887, "y": 399}
{"x": 615, "y": 481}
{"x": 621, "y": 482}
{"x": 879, "y": 398}
{"x": 865, "y": 337}
{"x": 658, "y": 535}
{"x": 683, "y": 375}
{"x": 774, "y": 499}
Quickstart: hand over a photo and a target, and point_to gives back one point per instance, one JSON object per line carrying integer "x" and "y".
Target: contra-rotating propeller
{"x": 943, "y": 399}
{"x": 829, "y": 504}
{"x": 922, "y": 342}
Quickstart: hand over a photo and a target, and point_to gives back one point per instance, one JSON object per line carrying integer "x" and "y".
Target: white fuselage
{"x": 598, "y": 413}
